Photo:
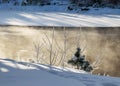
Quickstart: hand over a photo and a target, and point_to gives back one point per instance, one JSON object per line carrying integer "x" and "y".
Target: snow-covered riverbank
{"x": 13, "y": 73}
{"x": 59, "y": 16}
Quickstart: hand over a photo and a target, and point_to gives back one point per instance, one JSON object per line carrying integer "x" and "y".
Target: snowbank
{"x": 13, "y": 73}
{"x": 59, "y": 16}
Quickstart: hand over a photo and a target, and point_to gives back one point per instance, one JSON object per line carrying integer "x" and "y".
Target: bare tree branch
{"x": 51, "y": 46}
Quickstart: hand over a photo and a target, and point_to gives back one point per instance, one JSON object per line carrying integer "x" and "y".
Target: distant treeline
{"x": 94, "y": 3}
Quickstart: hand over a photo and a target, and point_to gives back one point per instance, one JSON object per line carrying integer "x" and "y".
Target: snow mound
{"x": 13, "y": 73}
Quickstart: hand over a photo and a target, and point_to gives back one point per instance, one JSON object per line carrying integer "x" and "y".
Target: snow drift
{"x": 13, "y": 73}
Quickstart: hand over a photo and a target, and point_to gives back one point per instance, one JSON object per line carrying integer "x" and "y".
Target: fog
{"x": 18, "y": 43}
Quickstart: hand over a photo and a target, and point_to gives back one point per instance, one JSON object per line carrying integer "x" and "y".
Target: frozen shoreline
{"x": 59, "y": 16}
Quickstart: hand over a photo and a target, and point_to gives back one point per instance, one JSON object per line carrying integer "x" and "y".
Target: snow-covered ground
{"x": 58, "y": 16}
{"x": 13, "y": 73}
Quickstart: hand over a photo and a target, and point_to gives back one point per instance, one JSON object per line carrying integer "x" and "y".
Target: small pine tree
{"x": 79, "y": 61}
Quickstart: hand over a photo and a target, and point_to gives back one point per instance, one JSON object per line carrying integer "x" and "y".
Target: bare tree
{"x": 50, "y": 44}
{"x": 65, "y": 47}
{"x": 38, "y": 54}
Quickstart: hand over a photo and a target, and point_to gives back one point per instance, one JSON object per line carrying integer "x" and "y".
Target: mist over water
{"x": 103, "y": 43}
